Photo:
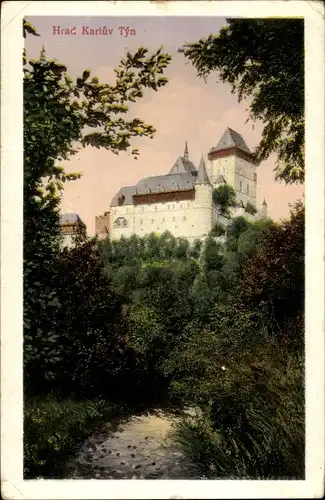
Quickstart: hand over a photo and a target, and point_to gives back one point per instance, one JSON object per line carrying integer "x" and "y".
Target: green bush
{"x": 253, "y": 425}
{"x": 224, "y": 196}
{"x": 274, "y": 278}
{"x": 52, "y": 429}
{"x": 218, "y": 229}
{"x": 250, "y": 209}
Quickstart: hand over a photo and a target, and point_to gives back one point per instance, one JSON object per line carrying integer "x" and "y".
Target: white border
{"x": 13, "y": 485}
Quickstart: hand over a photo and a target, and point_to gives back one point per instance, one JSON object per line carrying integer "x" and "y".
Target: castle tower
{"x": 203, "y": 199}
{"x": 232, "y": 161}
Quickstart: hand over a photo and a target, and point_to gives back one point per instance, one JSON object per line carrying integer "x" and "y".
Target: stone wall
{"x": 190, "y": 217}
{"x": 102, "y": 223}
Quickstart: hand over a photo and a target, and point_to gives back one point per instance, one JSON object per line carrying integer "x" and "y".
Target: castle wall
{"x": 102, "y": 223}
{"x": 224, "y": 166}
{"x": 245, "y": 181}
{"x": 190, "y": 218}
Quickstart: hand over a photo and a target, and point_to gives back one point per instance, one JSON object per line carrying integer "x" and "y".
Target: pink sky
{"x": 187, "y": 108}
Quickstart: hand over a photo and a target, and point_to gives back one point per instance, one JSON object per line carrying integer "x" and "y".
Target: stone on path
{"x": 108, "y": 455}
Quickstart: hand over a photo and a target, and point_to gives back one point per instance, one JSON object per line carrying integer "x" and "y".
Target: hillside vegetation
{"x": 157, "y": 321}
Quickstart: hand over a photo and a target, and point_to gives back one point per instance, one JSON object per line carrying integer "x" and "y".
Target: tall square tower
{"x": 233, "y": 163}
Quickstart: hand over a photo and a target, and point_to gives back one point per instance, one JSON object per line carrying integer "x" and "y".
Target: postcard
{"x": 162, "y": 251}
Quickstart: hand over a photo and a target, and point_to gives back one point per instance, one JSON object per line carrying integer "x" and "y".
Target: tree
{"x": 237, "y": 226}
{"x": 60, "y": 117}
{"x": 218, "y": 229}
{"x": 167, "y": 244}
{"x": 195, "y": 249}
{"x": 250, "y": 241}
{"x": 181, "y": 249}
{"x": 274, "y": 278}
{"x": 212, "y": 255}
{"x": 91, "y": 323}
{"x": 243, "y": 55}
{"x": 224, "y": 197}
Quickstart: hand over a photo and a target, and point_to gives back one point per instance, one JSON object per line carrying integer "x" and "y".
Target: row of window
{"x": 172, "y": 206}
{"x": 164, "y": 220}
{"x": 121, "y": 222}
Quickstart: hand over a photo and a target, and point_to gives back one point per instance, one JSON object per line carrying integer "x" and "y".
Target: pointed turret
{"x": 186, "y": 151}
{"x": 202, "y": 176}
{"x": 263, "y": 211}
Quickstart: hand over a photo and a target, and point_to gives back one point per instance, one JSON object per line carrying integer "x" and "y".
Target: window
{"x": 247, "y": 189}
{"x": 173, "y": 219}
{"x": 156, "y": 208}
{"x": 254, "y": 177}
{"x": 240, "y": 185}
{"x": 164, "y": 219}
{"x": 184, "y": 218}
{"x": 152, "y": 221}
{"x": 141, "y": 222}
{"x": 120, "y": 222}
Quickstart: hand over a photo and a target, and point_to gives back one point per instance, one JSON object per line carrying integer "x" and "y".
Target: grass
{"x": 254, "y": 430}
{"x": 53, "y": 430}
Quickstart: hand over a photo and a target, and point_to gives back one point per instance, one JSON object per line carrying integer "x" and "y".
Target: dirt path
{"x": 139, "y": 448}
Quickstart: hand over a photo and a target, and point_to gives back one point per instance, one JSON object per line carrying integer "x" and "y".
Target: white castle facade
{"x": 181, "y": 201}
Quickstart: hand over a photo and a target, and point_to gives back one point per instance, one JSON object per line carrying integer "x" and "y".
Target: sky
{"x": 186, "y": 109}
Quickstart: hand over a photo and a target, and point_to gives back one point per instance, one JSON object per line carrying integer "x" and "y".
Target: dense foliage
{"x": 208, "y": 327}
{"x": 242, "y": 54}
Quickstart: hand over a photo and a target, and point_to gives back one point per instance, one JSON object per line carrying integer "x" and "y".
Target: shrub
{"x": 52, "y": 430}
{"x": 224, "y": 196}
{"x": 219, "y": 229}
{"x": 253, "y": 426}
{"x": 274, "y": 277}
{"x": 212, "y": 256}
{"x": 250, "y": 209}
{"x": 91, "y": 324}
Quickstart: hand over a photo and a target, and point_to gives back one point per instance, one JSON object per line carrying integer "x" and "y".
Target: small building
{"x": 71, "y": 226}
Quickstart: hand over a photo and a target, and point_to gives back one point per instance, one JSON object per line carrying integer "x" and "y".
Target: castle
{"x": 181, "y": 201}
